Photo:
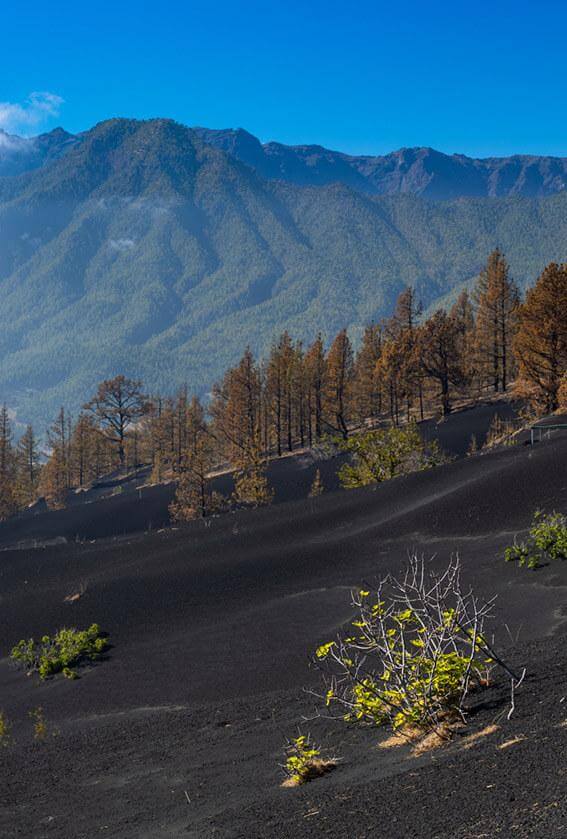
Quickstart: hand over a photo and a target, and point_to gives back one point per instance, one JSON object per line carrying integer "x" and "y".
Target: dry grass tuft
{"x": 472, "y": 739}
{"x": 393, "y": 741}
{"x": 315, "y": 768}
{"x": 72, "y": 598}
{"x": 424, "y": 741}
{"x": 440, "y": 736}
{"x": 512, "y": 742}
{"x": 406, "y": 735}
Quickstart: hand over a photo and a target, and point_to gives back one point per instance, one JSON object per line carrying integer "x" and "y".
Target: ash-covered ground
{"x": 180, "y": 730}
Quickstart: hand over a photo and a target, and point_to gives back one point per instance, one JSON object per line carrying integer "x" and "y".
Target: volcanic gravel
{"x": 179, "y": 731}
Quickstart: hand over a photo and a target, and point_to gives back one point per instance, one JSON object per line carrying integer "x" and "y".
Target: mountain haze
{"x": 22, "y": 154}
{"x": 145, "y": 248}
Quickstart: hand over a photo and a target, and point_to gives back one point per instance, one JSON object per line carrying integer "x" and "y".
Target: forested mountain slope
{"x": 146, "y": 251}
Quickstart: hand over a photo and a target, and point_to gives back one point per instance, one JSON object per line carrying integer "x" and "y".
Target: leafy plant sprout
{"x": 417, "y": 649}
{"x": 40, "y": 729}
{"x": 547, "y": 541}
{"x": 304, "y": 761}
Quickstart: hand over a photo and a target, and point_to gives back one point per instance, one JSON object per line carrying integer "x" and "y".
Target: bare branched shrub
{"x": 418, "y": 648}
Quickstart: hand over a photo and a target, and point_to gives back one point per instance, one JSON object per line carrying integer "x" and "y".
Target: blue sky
{"x": 366, "y": 77}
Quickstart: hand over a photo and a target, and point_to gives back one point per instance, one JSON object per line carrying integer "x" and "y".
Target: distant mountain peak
{"x": 418, "y": 170}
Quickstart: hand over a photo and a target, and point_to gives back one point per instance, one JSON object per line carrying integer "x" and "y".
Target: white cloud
{"x": 38, "y": 107}
{"x": 10, "y": 144}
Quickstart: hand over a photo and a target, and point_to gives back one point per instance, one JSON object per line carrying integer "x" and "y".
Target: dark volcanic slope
{"x": 129, "y": 506}
{"x": 180, "y": 731}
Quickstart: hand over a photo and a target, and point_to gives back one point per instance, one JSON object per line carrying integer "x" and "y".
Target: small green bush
{"x": 547, "y": 541}
{"x": 520, "y": 552}
{"x": 62, "y": 653}
{"x": 304, "y": 761}
{"x": 385, "y": 453}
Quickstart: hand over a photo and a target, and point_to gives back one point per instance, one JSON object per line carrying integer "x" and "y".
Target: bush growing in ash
{"x": 304, "y": 761}
{"x": 416, "y": 650}
{"x": 547, "y": 540}
{"x": 385, "y": 453}
{"x": 62, "y": 653}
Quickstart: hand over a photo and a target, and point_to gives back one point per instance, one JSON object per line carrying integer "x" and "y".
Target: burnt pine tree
{"x": 117, "y": 404}
{"x": 8, "y": 504}
{"x": 162, "y": 437}
{"x": 56, "y": 478}
{"x": 339, "y": 383}
{"x": 462, "y": 312}
{"x": 389, "y": 369}
{"x": 86, "y": 463}
{"x": 299, "y": 393}
{"x": 193, "y": 498}
{"x": 236, "y": 409}
{"x": 440, "y": 357}
{"x": 29, "y": 467}
{"x": 367, "y": 393}
{"x": 315, "y": 368}
{"x": 541, "y": 340}
{"x": 401, "y": 328}
{"x": 278, "y": 382}
{"x": 496, "y": 297}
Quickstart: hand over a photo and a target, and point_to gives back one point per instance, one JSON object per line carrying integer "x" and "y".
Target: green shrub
{"x": 520, "y": 552}
{"x": 62, "y": 653}
{"x": 386, "y": 453}
{"x": 547, "y": 540}
{"x": 549, "y": 534}
{"x": 304, "y": 761}
{"x": 417, "y": 649}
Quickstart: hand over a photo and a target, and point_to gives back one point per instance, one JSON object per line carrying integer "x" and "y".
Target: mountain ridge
{"x": 420, "y": 170}
{"x": 145, "y": 250}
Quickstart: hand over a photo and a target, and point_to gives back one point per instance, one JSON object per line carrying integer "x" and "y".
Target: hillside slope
{"x": 179, "y": 732}
{"x": 144, "y": 250}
